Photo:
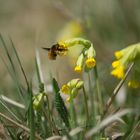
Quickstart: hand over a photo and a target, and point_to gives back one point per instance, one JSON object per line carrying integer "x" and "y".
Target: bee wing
{"x": 48, "y": 49}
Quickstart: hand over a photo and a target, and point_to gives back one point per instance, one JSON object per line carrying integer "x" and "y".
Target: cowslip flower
{"x": 86, "y": 57}
{"x": 65, "y": 89}
{"x": 90, "y": 54}
{"x": 118, "y": 72}
{"x": 90, "y": 62}
{"x": 62, "y": 48}
{"x": 79, "y": 63}
{"x": 115, "y": 64}
{"x": 72, "y": 88}
{"x": 78, "y": 69}
{"x": 118, "y": 54}
{"x": 124, "y": 57}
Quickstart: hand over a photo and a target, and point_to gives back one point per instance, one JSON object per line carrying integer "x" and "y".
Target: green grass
{"x": 37, "y": 116}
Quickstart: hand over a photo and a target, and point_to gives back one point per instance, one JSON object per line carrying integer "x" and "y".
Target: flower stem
{"x": 91, "y": 94}
{"x": 99, "y": 95}
{"x": 93, "y": 103}
{"x": 86, "y": 106}
{"x": 73, "y": 114}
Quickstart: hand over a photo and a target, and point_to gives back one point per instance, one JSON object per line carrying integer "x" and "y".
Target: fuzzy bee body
{"x": 54, "y": 51}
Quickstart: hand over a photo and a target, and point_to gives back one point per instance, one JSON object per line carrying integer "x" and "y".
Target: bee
{"x": 54, "y": 51}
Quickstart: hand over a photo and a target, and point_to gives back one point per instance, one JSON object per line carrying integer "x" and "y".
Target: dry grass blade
{"x": 12, "y": 102}
{"x": 76, "y": 131}
{"x": 19, "y": 125}
{"x": 107, "y": 121}
{"x": 54, "y": 138}
{"x": 116, "y": 90}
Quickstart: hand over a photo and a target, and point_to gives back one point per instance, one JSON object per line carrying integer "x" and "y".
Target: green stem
{"x": 73, "y": 114}
{"x": 86, "y": 106}
{"x": 99, "y": 95}
{"x": 78, "y": 41}
{"x": 92, "y": 102}
{"x": 91, "y": 94}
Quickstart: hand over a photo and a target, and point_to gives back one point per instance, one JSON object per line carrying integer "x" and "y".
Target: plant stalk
{"x": 86, "y": 106}
{"x": 99, "y": 95}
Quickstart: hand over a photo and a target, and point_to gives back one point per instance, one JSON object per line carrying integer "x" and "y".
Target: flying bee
{"x": 55, "y": 50}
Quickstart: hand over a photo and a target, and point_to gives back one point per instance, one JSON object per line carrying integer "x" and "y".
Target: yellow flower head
{"x": 62, "y": 45}
{"x": 115, "y": 64}
{"x": 62, "y": 48}
{"x": 134, "y": 84}
{"x": 65, "y": 89}
{"x": 78, "y": 69}
{"x": 72, "y": 88}
{"x": 79, "y": 63}
{"x": 125, "y": 57}
{"x": 90, "y": 62}
{"x": 118, "y": 54}
{"x": 118, "y": 72}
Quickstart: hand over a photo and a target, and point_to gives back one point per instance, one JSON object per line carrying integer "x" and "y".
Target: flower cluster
{"x": 72, "y": 88}
{"x": 87, "y": 56}
{"x": 124, "y": 57}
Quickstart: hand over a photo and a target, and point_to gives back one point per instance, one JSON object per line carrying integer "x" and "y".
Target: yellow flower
{"x": 125, "y": 57}
{"x": 134, "y": 84}
{"x": 118, "y": 54}
{"x": 65, "y": 89}
{"x": 62, "y": 45}
{"x": 90, "y": 62}
{"x": 78, "y": 69}
{"x": 72, "y": 88}
{"x": 62, "y": 48}
{"x": 115, "y": 64}
{"x": 118, "y": 72}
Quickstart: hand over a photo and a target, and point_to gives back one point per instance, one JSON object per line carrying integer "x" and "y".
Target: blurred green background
{"x": 110, "y": 25}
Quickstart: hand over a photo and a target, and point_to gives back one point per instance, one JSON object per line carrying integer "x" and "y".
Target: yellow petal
{"x": 65, "y": 89}
{"x": 118, "y": 54}
{"x": 90, "y": 62}
{"x": 115, "y": 64}
{"x": 78, "y": 69}
{"x": 118, "y": 72}
{"x": 62, "y": 45}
